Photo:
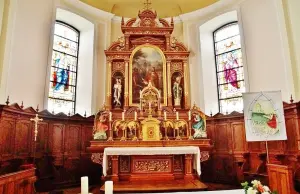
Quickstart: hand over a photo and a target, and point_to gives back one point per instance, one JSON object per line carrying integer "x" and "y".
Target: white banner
{"x": 264, "y": 116}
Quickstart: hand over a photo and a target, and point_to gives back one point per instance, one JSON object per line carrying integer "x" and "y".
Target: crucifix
{"x": 36, "y": 120}
{"x": 147, "y": 4}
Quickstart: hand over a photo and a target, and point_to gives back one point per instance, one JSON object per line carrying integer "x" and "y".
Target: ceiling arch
{"x": 164, "y": 8}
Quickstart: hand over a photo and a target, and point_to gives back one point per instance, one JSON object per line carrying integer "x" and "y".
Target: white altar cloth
{"x": 153, "y": 151}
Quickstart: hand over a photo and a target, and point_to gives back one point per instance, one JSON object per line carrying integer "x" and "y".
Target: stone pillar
{"x": 126, "y": 99}
{"x": 108, "y": 85}
{"x": 187, "y": 103}
{"x": 169, "y": 85}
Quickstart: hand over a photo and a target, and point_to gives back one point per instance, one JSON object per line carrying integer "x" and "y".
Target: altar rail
{"x": 62, "y": 141}
{"x": 18, "y": 182}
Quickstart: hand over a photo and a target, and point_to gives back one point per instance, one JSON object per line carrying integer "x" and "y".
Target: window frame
{"x": 216, "y": 62}
{"x": 77, "y": 59}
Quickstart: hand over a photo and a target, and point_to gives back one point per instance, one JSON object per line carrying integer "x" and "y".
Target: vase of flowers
{"x": 255, "y": 187}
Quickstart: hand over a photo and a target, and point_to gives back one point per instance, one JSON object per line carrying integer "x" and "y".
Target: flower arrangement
{"x": 256, "y": 188}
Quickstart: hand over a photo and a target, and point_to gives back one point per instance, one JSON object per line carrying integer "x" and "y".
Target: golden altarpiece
{"x": 148, "y": 103}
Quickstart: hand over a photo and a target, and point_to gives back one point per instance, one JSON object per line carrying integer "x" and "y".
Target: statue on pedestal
{"x": 101, "y": 126}
{"x": 198, "y": 125}
{"x": 177, "y": 91}
{"x": 117, "y": 93}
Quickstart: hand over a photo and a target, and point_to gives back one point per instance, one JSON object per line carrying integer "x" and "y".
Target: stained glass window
{"x": 229, "y": 66}
{"x": 63, "y": 75}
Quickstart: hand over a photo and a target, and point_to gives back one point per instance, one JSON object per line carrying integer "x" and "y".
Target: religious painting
{"x": 147, "y": 65}
{"x": 117, "y": 90}
{"x": 177, "y": 89}
{"x": 264, "y": 116}
{"x": 101, "y": 124}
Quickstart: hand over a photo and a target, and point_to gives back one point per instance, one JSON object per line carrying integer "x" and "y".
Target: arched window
{"x": 63, "y": 76}
{"x": 229, "y": 68}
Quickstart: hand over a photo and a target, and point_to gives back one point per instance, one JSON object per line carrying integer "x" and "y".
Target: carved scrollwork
{"x": 97, "y": 158}
{"x": 151, "y": 166}
{"x": 204, "y": 156}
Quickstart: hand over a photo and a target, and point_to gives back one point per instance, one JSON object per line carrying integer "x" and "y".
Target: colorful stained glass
{"x": 62, "y": 90}
{"x": 229, "y": 66}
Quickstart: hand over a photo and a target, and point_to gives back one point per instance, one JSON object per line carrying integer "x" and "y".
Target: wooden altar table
{"x": 187, "y": 151}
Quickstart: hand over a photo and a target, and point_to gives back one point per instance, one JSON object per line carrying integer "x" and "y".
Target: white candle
{"x": 177, "y": 116}
{"x": 135, "y": 115}
{"x": 84, "y": 185}
{"x": 110, "y": 116}
{"x": 109, "y": 187}
{"x": 165, "y": 115}
{"x": 123, "y": 116}
{"x": 189, "y": 115}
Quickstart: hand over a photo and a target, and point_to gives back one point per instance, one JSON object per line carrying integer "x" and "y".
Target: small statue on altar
{"x": 199, "y": 126}
{"x": 177, "y": 91}
{"x": 101, "y": 126}
{"x": 117, "y": 93}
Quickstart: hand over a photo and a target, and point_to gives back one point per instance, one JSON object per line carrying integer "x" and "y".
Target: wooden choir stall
{"x": 147, "y": 129}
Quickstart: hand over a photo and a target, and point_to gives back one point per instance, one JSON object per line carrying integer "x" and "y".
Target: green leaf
{"x": 245, "y": 184}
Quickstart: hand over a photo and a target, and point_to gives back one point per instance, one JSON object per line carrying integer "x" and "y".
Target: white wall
{"x": 268, "y": 62}
{"x": 1, "y": 14}
{"x": 27, "y": 65}
{"x": 264, "y": 45}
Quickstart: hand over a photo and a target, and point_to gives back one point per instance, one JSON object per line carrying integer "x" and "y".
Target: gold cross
{"x": 36, "y": 120}
{"x": 147, "y": 4}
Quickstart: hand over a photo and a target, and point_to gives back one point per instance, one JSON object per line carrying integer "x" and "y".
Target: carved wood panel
{"x": 72, "y": 140}
{"x": 238, "y": 137}
{"x": 7, "y": 139}
{"x": 23, "y": 138}
{"x": 42, "y": 137}
{"x": 144, "y": 164}
{"x": 291, "y": 134}
{"x": 221, "y": 137}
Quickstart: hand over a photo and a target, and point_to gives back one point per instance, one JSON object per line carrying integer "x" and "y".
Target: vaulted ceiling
{"x": 164, "y": 8}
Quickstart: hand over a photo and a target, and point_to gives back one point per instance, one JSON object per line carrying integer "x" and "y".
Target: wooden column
{"x": 108, "y": 85}
{"x": 115, "y": 168}
{"x": 187, "y": 102}
{"x": 188, "y": 166}
{"x": 281, "y": 178}
{"x": 167, "y": 41}
{"x": 126, "y": 104}
{"x": 169, "y": 83}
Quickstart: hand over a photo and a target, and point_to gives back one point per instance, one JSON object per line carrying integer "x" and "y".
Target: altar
{"x": 147, "y": 130}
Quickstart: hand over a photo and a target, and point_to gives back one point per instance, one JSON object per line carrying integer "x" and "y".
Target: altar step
{"x": 157, "y": 186}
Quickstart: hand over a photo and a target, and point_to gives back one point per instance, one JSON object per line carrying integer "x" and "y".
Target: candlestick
{"x": 190, "y": 115}
{"x": 165, "y": 115}
{"x": 135, "y": 115}
{"x": 177, "y": 116}
{"x": 123, "y": 116}
{"x": 110, "y": 116}
{"x": 109, "y": 187}
{"x": 84, "y": 185}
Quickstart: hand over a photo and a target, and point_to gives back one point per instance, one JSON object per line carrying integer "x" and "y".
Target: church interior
{"x": 149, "y": 96}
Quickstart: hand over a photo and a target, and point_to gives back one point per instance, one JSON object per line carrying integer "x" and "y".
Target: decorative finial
{"x": 226, "y": 112}
{"x": 37, "y": 108}
{"x": 122, "y": 21}
{"x": 69, "y": 114}
{"x": 84, "y": 114}
{"x": 53, "y": 111}
{"x": 291, "y": 100}
{"x": 147, "y": 5}
{"x": 22, "y": 105}
{"x": 172, "y": 21}
{"x": 211, "y": 113}
{"x": 7, "y": 100}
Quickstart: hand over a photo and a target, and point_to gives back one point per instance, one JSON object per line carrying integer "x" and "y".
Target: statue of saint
{"x": 101, "y": 127}
{"x": 117, "y": 93}
{"x": 198, "y": 125}
{"x": 177, "y": 91}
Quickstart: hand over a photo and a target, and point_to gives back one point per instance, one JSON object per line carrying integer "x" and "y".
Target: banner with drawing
{"x": 264, "y": 116}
